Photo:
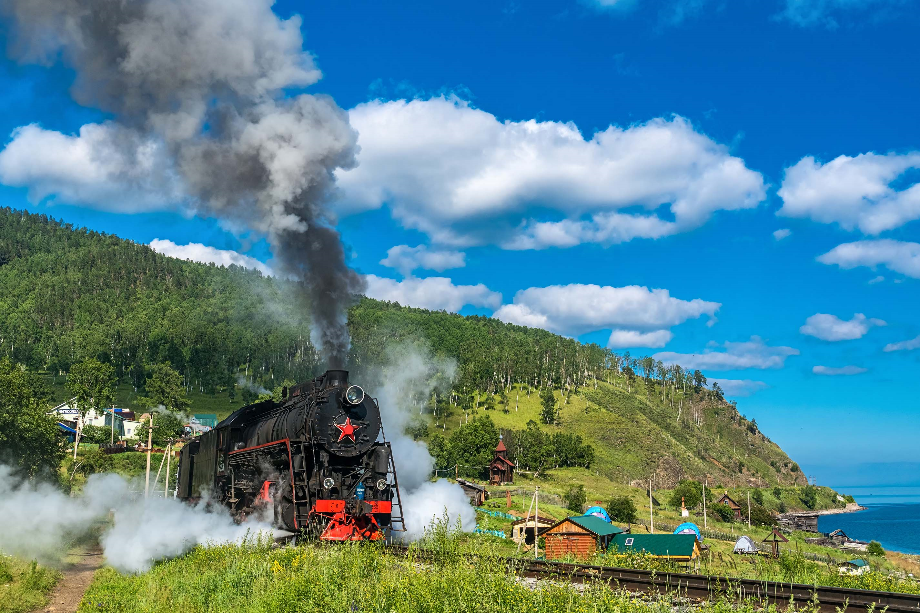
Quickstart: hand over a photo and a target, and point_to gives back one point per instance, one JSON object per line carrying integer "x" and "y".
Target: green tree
{"x": 875, "y": 549}
{"x": 97, "y": 435}
{"x": 622, "y": 509}
{"x": 809, "y": 496}
{"x": 30, "y": 441}
{"x": 777, "y": 493}
{"x": 548, "y": 414}
{"x": 536, "y": 448}
{"x": 167, "y": 427}
{"x": 165, "y": 388}
{"x": 690, "y": 491}
{"x": 761, "y": 517}
{"x": 757, "y": 497}
{"x": 92, "y": 384}
{"x": 575, "y": 498}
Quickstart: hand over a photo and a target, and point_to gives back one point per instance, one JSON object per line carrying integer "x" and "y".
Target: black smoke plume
{"x": 209, "y": 90}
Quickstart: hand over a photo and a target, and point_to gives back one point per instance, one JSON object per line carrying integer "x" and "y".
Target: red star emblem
{"x": 348, "y": 429}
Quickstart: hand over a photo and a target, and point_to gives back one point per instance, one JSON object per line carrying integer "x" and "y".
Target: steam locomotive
{"x": 312, "y": 463}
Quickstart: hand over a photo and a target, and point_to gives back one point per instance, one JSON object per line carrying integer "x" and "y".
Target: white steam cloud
{"x": 39, "y": 520}
{"x": 409, "y": 378}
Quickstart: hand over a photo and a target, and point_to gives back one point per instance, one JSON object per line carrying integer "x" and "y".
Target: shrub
{"x": 622, "y": 509}
{"x": 723, "y": 512}
{"x": 575, "y": 498}
{"x": 6, "y": 574}
{"x": 98, "y": 435}
{"x": 417, "y": 430}
{"x": 875, "y": 549}
{"x": 777, "y": 493}
{"x": 809, "y": 496}
{"x": 761, "y": 517}
{"x": 757, "y": 496}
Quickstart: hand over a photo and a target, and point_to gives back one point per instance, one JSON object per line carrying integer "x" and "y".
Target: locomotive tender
{"x": 313, "y": 462}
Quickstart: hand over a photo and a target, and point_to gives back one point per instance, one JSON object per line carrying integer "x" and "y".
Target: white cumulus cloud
{"x": 843, "y": 370}
{"x": 433, "y": 293}
{"x": 198, "y": 252}
{"x": 781, "y": 234}
{"x": 405, "y": 259}
{"x": 464, "y": 177}
{"x": 635, "y": 338}
{"x": 832, "y": 328}
{"x": 754, "y": 353}
{"x": 899, "y": 256}
{"x": 96, "y": 167}
{"x": 739, "y": 387}
{"x": 854, "y": 192}
{"x": 908, "y": 345}
{"x": 634, "y": 313}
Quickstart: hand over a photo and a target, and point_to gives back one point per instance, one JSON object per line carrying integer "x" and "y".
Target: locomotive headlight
{"x": 381, "y": 484}
{"x": 354, "y": 395}
{"x": 328, "y": 482}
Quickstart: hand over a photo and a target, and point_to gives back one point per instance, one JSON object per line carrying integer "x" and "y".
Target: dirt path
{"x": 67, "y": 595}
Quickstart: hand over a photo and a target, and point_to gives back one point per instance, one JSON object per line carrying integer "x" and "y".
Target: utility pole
{"x": 749, "y": 509}
{"x": 651, "y": 512}
{"x": 536, "y": 536}
{"x": 149, "y": 445}
{"x": 168, "y": 459}
{"x": 704, "y": 505}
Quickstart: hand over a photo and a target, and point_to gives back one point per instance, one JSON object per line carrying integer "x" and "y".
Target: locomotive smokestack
{"x": 198, "y": 95}
{"x": 336, "y": 378}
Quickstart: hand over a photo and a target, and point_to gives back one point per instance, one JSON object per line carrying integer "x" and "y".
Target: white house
{"x": 124, "y": 427}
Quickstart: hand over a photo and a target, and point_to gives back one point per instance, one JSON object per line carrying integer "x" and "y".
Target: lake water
{"x": 892, "y": 517}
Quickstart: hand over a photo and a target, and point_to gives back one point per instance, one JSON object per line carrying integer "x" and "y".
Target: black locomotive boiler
{"x": 317, "y": 461}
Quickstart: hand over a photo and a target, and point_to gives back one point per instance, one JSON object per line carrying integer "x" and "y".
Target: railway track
{"x": 703, "y": 587}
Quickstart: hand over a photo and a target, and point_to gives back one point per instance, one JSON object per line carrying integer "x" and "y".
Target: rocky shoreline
{"x": 852, "y": 507}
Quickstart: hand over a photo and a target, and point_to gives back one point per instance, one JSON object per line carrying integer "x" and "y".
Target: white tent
{"x": 745, "y": 545}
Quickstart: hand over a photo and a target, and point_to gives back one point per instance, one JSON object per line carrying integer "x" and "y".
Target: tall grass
{"x": 24, "y": 586}
{"x": 356, "y": 577}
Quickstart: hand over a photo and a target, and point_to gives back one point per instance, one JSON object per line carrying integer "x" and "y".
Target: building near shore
{"x": 856, "y": 566}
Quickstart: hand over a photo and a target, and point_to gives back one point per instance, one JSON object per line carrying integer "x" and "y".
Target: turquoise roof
{"x": 596, "y": 525}
{"x": 858, "y": 562}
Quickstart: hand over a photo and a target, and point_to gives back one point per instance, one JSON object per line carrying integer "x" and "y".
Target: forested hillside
{"x": 67, "y": 294}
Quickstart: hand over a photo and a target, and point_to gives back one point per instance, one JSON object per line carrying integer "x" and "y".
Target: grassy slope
{"x": 634, "y": 436}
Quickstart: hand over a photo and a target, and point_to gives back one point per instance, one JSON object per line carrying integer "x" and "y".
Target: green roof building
{"x": 677, "y": 547}
{"x": 579, "y": 536}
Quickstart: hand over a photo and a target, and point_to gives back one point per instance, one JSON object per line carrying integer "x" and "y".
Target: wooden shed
{"x": 674, "y": 547}
{"x": 522, "y": 530}
{"x": 501, "y": 469}
{"x": 806, "y": 522}
{"x": 580, "y": 536}
{"x": 476, "y": 493}
{"x": 734, "y": 506}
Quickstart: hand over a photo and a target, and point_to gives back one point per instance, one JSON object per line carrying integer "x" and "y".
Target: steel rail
{"x": 705, "y": 587}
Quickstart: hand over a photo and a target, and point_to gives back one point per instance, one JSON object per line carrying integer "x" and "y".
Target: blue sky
{"x": 612, "y": 170}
